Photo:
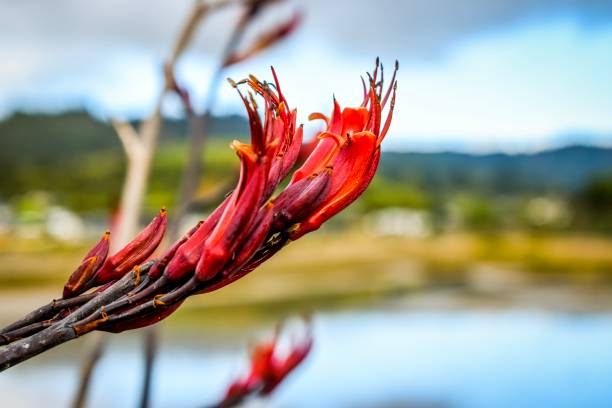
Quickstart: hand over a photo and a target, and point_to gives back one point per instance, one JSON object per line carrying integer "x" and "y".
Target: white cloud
{"x": 495, "y": 74}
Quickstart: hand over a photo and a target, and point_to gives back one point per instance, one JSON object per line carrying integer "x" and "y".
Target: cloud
{"x": 467, "y": 66}
{"x": 414, "y": 27}
{"x": 425, "y": 28}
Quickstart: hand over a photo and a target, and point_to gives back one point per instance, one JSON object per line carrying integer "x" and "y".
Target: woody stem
{"x": 63, "y": 331}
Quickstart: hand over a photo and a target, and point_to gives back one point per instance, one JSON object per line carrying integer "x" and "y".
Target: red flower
{"x": 268, "y": 369}
{"x": 350, "y": 147}
{"x": 250, "y": 225}
{"x": 232, "y": 227}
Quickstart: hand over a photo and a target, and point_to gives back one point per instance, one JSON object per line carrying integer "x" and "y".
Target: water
{"x": 465, "y": 359}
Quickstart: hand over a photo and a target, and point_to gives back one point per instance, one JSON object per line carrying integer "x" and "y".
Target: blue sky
{"x": 477, "y": 76}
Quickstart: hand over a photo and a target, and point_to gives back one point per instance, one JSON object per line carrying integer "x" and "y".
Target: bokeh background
{"x": 476, "y": 271}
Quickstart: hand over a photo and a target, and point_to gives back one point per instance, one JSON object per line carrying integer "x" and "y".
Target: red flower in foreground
{"x": 268, "y": 369}
{"x": 250, "y": 225}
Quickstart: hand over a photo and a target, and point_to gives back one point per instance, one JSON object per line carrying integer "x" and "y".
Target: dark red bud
{"x": 188, "y": 254}
{"x": 255, "y": 237}
{"x": 158, "y": 268}
{"x": 142, "y": 321}
{"x": 299, "y": 200}
{"x": 135, "y": 252}
{"x": 90, "y": 264}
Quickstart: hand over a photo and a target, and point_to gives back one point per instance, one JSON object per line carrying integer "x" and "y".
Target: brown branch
{"x": 198, "y": 124}
{"x": 63, "y": 331}
{"x": 47, "y": 311}
{"x": 139, "y": 146}
{"x": 87, "y": 371}
{"x": 150, "y": 338}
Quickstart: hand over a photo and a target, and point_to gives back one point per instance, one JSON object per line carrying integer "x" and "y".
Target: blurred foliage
{"x": 344, "y": 263}
{"x": 383, "y": 193}
{"x": 478, "y": 212}
{"x": 76, "y": 161}
{"x": 594, "y": 202}
{"x": 548, "y": 172}
{"x": 79, "y": 160}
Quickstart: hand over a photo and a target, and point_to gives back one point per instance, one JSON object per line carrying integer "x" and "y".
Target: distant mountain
{"x": 230, "y": 126}
{"x": 38, "y": 151}
{"x": 559, "y": 170}
{"x": 48, "y": 138}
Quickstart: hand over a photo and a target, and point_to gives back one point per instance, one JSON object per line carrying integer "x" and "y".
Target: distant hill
{"x": 559, "y": 170}
{"x": 79, "y": 158}
{"x": 47, "y": 138}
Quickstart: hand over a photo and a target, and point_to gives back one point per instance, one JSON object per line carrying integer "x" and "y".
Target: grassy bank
{"x": 348, "y": 262}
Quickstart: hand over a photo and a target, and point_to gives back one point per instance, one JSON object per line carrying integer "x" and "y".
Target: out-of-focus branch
{"x": 265, "y": 40}
{"x": 95, "y": 353}
{"x": 200, "y": 10}
{"x": 150, "y": 340}
{"x": 139, "y": 146}
{"x": 198, "y": 123}
{"x": 139, "y": 149}
{"x": 128, "y": 136}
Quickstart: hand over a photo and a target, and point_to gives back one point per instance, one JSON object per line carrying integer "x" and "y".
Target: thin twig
{"x": 150, "y": 340}
{"x": 198, "y": 123}
{"x": 87, "y": 370}
{"x": 139, "y": 146}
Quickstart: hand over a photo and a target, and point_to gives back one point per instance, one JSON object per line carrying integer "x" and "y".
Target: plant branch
{"x": 150, "y": 339}
{"x": 128, "y": 136}
{"x": 47, "y": 311}
{"x": 64, "y": 330}
{"x": 198, "y": 123}
{"x": 87, "y": 371}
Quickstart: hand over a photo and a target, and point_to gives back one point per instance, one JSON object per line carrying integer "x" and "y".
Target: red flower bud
{"x": 90, "y": 264}
{"x": 256, "y": 236}
{"x": 351, "y": 165}
{"x": 135, "y": 252}
{"x": 188, "y": 254}
{"x": 300, "y": 199}
{"x": 325, "y": 149}
{"x": 141, "y": 321}
{"x": 351, "y": 145}
{"x": 158, "y": 269}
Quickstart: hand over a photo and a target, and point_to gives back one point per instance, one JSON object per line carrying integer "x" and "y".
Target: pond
{"x": 368, "y": 358}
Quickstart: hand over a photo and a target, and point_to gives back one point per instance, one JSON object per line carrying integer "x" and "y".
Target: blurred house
{"x": 398, "y": 222}
{"x": 64, "y": 225}
{"x": 547, "y": 212}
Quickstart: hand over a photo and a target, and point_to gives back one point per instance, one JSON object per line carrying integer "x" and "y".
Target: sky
{"x": 475, "y": 75}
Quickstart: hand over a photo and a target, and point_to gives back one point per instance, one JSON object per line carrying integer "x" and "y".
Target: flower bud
{"x": 300, "y": 199}
{"x": 90, "y": 264}
{"x": 135, "y": 252}
{"x": 157, "y": 269}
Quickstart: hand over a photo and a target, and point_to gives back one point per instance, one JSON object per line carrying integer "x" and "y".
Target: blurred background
{"x": 476, "y": 271}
